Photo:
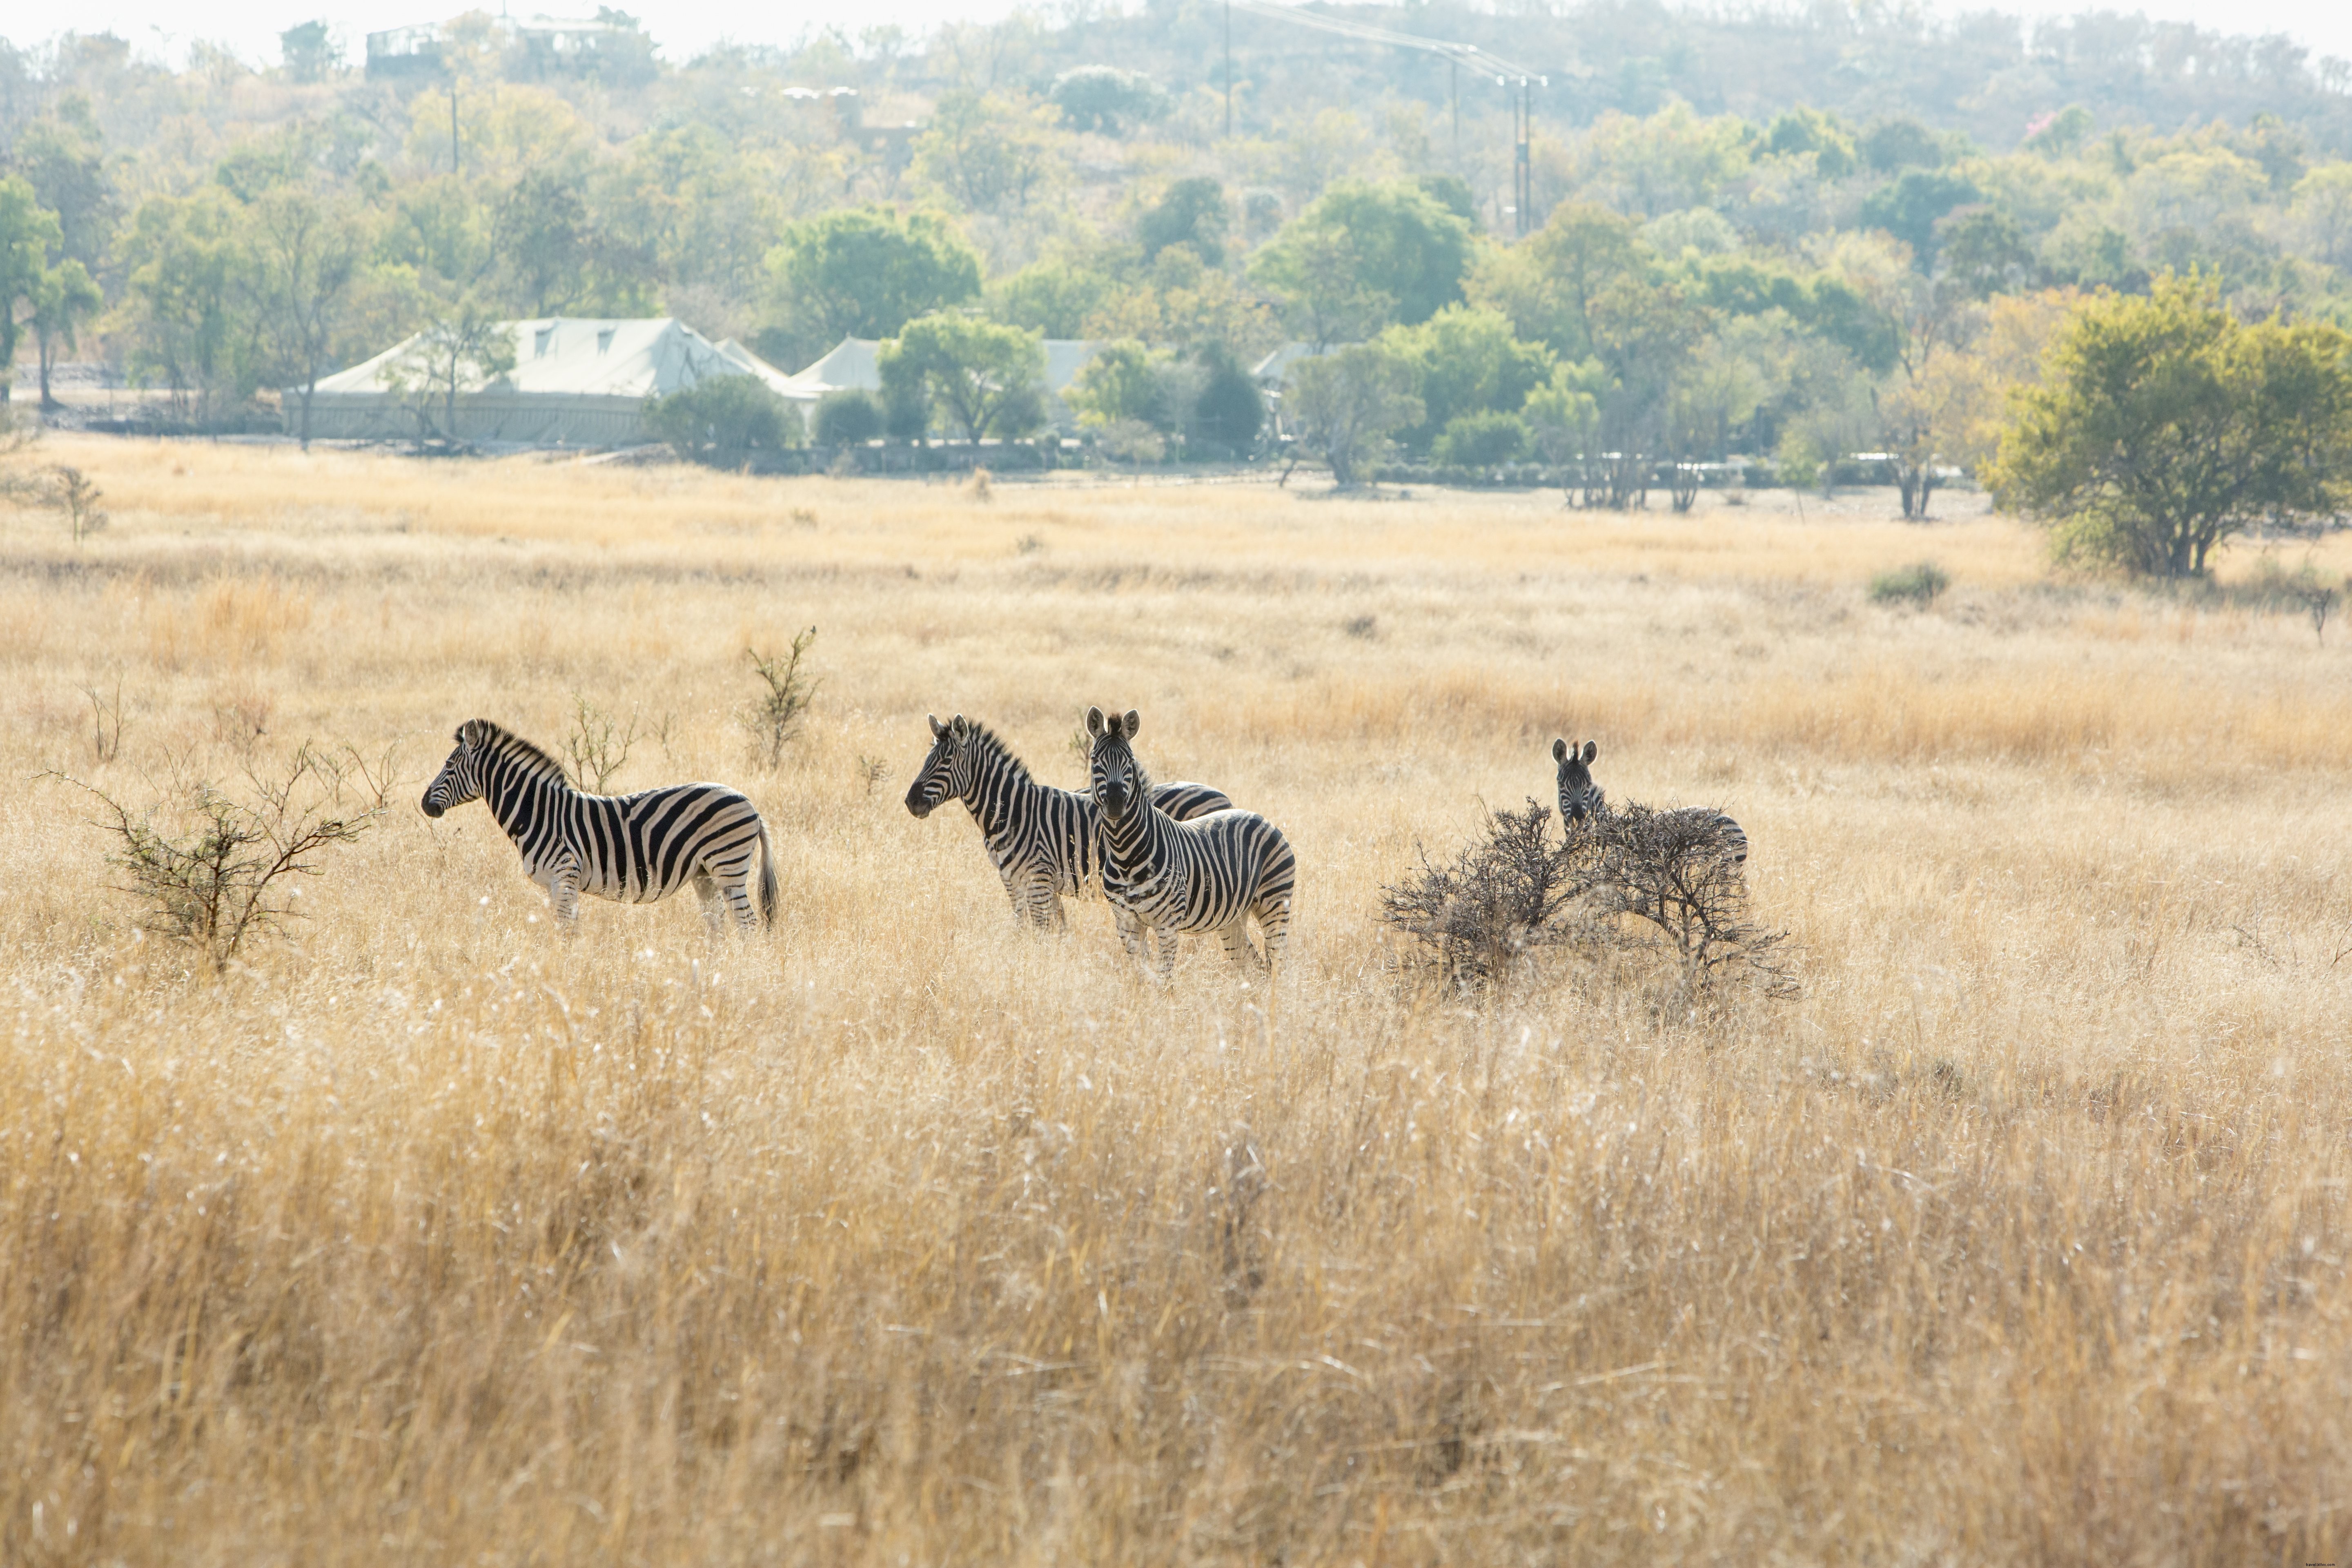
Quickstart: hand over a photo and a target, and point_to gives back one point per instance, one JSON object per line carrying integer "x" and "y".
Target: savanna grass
{"x": 429, "y": 1234}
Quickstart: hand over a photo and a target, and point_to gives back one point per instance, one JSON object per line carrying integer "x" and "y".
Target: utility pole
{"x": 1229, "y": 70}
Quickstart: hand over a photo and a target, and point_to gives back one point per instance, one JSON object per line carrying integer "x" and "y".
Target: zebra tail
{"x": 767, "y": 879}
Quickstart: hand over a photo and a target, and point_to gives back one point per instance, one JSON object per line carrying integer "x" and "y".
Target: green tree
{"x": 28, "y": 234}
{"x": 866, "y": 272}
{"x": 1910, "y": 209}
{"x": 1360, "y": 247}
{"x": 2163, "y": 426}
{"x": 465, "y": 344}
{"x": 722, "y": 421}
{"x": 309, "y": 52}
{"x": 1486, "y": 439}
{"x": 1804, "y": 130}
{"x": 189, "y": 303}
{"x": 1124, "y": 380}
{"x": 1546, "y": 282}
{"x": 1229, "y": 410}
{"x": 1348, "y": 404}
{"x": 1106, "y": 99}
{"x": 992, "y": 152}
{"x": 306, "y": 250}
{"x": 1054, "y": 297}
{"x": 848, "y": 417}
{"x": 62, "y": 299}
{"x": 1191, "y": 212}
{"x": 1985, "y": 252}
{"x": 62, "y": 156}
{"x": 1466, "y": 361}
{"x": 982, "y": 375}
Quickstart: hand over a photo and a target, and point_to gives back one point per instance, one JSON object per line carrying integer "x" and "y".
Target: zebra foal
{"x": 633, "y": 848}
{"x": 1046, "y": 843}
{"x": 1210, "y": 873}
{"x": 1579, "y": 797}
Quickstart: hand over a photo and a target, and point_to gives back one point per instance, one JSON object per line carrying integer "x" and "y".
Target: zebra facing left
{"x": 632, "y": 848}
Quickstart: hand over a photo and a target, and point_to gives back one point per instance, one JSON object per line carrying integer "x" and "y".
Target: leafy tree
{"x": 306, "y": 253}
{"x": 722, "y": 420}
{"x": 1891, "y": 146}
{"x": 1807, "y": 130}
{"x": 1348, "y": 404}
{"x": 1191, "y": 212}
{"x": 2164, "y": 427}
{"x": 2062, "y": 134}
{"x": 1563, "y": 416}
{"x": 983, "y": 376}
{"x": 2321, "y": 213}
{"x": 866, "y": 272}
{"x": 62, "y": 156}
{"x": 848, "y": 417}
{"x": 1466, "y": 361}
{"x": 1124, "y": 381}
{"x": 189, "y": 304}
{"x": 1358, "y": 245}
{"x": 28, "y": 234}
{"x": 1913, "y": 203}
{"x": 62, "y": 299}
{"x": 1054, "y": 298}
{"x": 1984, "y": 251}
{"x": 1229, "y": 410}
{"x": 1644, "y": 335}
{"x": 309, "y": 52}
{"x": 1179, "y": 300}
{"x": 1546, "y": 282}
{"x": 1104, "y": 98}
{"x": 1485, "y": 439}
{"x": 992, "y": 152}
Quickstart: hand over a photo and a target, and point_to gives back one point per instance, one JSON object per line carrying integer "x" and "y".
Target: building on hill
{"x": 855, "y": 364}
{"x": 575, "y": 382}
{"x": 533, "y": 47}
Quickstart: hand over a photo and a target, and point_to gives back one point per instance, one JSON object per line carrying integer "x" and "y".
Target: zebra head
{"x": 1115, "y": 777}
{"x": 460, "y": 778}
{"x": 1579, "y": 796}
{"x": 946, "y": 772}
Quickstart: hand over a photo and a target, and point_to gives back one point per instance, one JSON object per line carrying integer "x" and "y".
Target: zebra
{"x": 1209, "y": 873}
{"x": 1046, "y": 843}
{"x": 1580, "y": 798}
{"x": 633, "y": 848}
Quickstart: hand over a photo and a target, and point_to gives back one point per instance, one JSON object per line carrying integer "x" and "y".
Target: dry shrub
{"x": 1624, "y": 882}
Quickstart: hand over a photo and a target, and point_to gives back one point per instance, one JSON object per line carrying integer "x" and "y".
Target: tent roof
{"x": 1275, "y": 368}
{"x": 572, "y": 356}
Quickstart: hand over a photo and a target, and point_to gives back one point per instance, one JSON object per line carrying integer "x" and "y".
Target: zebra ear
{"x": 1096, "y": 723}
{"x": 938, "y": 729}
{"x": 962, "y": 728}
{"x": 1558, "y": 751}
{"x": 1590, "y": 751}
{"x": 1131, "y": 723}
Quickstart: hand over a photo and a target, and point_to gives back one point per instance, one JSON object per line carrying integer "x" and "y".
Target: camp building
{"x": 575, "y": 382}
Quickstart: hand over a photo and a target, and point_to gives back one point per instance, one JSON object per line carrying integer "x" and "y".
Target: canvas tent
{"x": 575, "y": 382}
{"x": 855, "y": 364}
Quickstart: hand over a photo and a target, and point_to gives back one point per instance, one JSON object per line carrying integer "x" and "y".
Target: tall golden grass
{"x": 431, "y": 1235}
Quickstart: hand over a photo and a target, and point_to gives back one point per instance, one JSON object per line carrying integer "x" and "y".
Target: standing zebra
{"x": 1579, "y": 797}
{"x": 1046, "y": 843}
{"x": 633, "y": 848}
{"x": 1210, "y": 873}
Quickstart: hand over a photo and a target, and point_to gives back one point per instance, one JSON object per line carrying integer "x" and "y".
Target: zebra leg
{"x": 1135, "y": 937}
{"x": 563, "y": 893}
{"x": 1273, "y": 926}
{"x": 1237, "y": 944}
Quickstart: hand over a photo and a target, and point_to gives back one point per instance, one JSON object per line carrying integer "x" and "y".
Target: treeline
{"x": 1799, "y": 285}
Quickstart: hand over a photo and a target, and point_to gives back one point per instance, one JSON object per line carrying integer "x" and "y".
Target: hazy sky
{"x": 684, "y": 27}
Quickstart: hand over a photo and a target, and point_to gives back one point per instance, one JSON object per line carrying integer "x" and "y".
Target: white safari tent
{"x": 575, "y": 382}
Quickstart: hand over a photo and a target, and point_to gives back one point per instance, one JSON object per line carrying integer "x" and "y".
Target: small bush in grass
{"x": 213, "y": 869}
{"x": 1484, "y": 440}
{"x": 850, "y": 417}
{"x": 1511, "y": 895}
{"x": 785, "y": 693}
{"x": 1920, "y": 584}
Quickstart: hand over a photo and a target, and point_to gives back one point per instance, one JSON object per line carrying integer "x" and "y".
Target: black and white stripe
{"x": 633, "y": 848}
{"x": 1581, "y": 800}
{"x": 1212, "y": 873}
{"x": 1046, "y": 843}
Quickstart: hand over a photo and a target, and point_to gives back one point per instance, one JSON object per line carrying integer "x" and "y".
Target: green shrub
{"x": 722, "y": 420}
{"x": 850, "y": 417}
{"x": 1920, "y": 584}
{"x": 1483, "y": 440}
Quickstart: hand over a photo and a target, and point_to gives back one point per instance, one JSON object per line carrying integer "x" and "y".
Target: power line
{"x": 1472, "y": 55}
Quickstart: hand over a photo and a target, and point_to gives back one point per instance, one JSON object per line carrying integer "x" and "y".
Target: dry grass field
{"x": 429, "y": 1234}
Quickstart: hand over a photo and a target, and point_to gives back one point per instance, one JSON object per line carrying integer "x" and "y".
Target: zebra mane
{"x": 988, "y": 744}
{"x": 536, "y": 760}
